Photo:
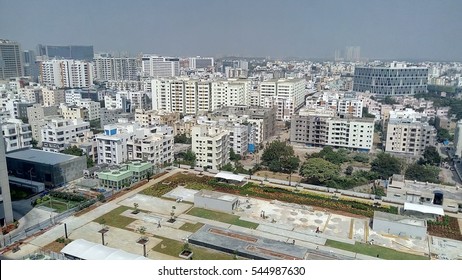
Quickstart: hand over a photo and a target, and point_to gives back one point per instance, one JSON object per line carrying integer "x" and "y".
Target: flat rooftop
{"x": 39, "y": 156}
{"x": 399, "y": 219}
{"x": 217, "y": 195}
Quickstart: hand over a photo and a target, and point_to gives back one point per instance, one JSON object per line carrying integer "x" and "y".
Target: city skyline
{"x": 422, "y": 30}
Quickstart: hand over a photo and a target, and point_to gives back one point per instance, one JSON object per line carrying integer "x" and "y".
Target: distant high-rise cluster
{"x": 351, "y": 54}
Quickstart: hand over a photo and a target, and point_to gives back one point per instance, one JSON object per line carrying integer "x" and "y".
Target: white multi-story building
{"x": 211, "y": 146}
{"x": 155, "y": 147}
{"x": 286, "y": 94}
{"x": 201, "y": 62}
{"x": 238, "y": 138}
{"x": 16, "y": 134}
{"x": 325, "y": 129}
{"x": 458, "y": 139}
{"x": 62, "y": 73}
{"x": 407, "y": 136}
{"x": 158, "y": 66}
{"x": 109, "y": 68}
{"x": 58, "y": 133}
{"x": 112, "y": 144}
{"x": 350, "y": 108}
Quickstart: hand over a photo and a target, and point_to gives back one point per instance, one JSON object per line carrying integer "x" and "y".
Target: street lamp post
{"x": 103, "y": 231}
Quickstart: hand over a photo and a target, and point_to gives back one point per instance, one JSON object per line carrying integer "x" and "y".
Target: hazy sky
{"x": 388, "y": 29}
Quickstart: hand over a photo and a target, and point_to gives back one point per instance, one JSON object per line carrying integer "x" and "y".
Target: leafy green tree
{"x": 228, "y": 167}
{"x": 290, "y": 165}
{"x": 364, "y": 158}
{"x": 349, "y": 170}
{"x": 423, "y": 173}
{"x": 366, "y": 113}
{"x": 190, "y": 157}
{"x": 430, "y": 156}
{"x": 386, "y": 165}
{"x": 90, "y": 162}
{"x": 276, "y": 155}
{"x": 34, "y": 143}
{"x": 73, "y": 150}
{"x": 389, "y": 101}
{"x": 318, "y": 170}
{"x": 443, "y": 134}
{"x": 336, "y": 157}
{"x": 233, "y": 156}
{"x": 182, "y": 138}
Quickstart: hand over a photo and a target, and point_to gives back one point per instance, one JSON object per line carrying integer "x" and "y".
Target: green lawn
{"x": 374, "y": 250}
{"x": 58, "y": 204}
{"x": 114, "y": 219}
{"x": 191, "y": 227}
{"x": 173, "y": 248}
{"x": 221, "y": 217}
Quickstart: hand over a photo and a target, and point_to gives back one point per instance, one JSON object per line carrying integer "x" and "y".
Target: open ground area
{"x": 167, "y": 217}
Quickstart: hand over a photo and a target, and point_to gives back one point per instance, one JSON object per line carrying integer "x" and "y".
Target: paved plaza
{"x": 283, "y": 222}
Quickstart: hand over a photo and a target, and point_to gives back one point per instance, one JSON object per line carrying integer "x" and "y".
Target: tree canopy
{"x": 386, "y": 165}
{"x": 336, "y": 157}
{"x": 422, "y": 173}
{"x": 182, "y": 138}
{"x": 73, "y": 150}
{"x": 318, "y": 170}
{"x": 279, "y": 157}
{"x": 430, "y": 156}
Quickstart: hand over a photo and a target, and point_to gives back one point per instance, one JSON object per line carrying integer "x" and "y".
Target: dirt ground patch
{"x": 277, "y": 175}
{"x": 56, "y": 246}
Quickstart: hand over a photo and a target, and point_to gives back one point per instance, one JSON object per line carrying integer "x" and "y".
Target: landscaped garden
{"x": 273, "y": 193}
{"x": 221, "y": 217}
{"x": 174, "y": 248}
{"x": 60, "y": 201}
{"x": 374, "y": 251}
{"x": 448, "y": 227}
{"x": 115, "y": 219}
{"x": 191, "y": 227}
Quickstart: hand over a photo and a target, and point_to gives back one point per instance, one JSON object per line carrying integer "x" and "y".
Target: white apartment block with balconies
{"x": 286, "y": 94}
{"x": 357, "y": 134}
{"x": 112, "y": 144}
{"x": 58, "y": 133}
{"x": 16, "y": 134}
{"x": 211, "y": 146}
{"x": 410, "y": 137}
{"x": 156, "y": 148}
{"x": 62, "y": 73}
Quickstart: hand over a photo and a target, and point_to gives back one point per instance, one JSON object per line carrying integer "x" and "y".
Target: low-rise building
{"x": 16, "y": 134}
{"x": 58, "y": 133}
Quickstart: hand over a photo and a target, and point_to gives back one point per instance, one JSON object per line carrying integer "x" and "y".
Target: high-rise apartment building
{"x": 17, "y": 135}
{"x": 458, "y": 139}
{"x": 287, "y": 95}
{"x": 66, "y": 52}
{"x": 353, "y": 53}
{"x": 159, "y": 66}
{"x": 109, "y": 68}
{"x": 394, "y": 80}
{"x": 201, "y": 62}
{"x": 11, "y": 63}
{"x": 66, "y": 73}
